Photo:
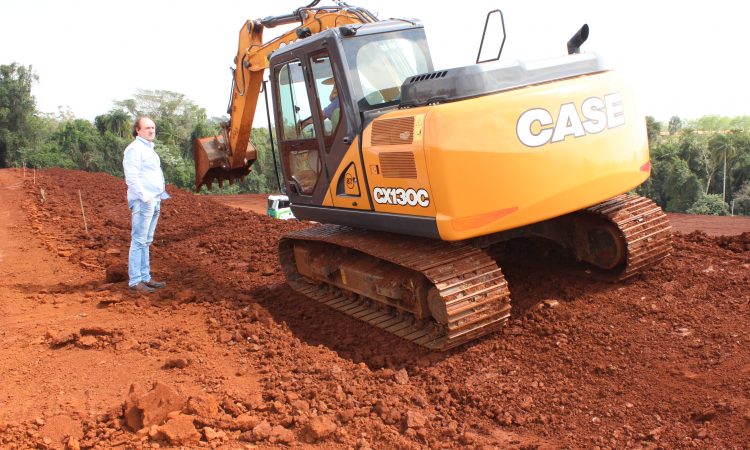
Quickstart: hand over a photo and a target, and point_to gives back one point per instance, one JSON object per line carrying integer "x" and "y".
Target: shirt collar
{"x": 145, "y": 141}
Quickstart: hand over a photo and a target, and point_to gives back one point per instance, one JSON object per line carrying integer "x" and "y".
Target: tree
{"x": 177, "y": 170}
{"x": 710, "y": 159}
{"x": 117, "y": 122}
{"x": 17, "y": 107}
{"x": 80, "y": 141}
{"x": 740, "y": 173}
{"x": 111, "y": 148}
{"x": 681, "y": 187}
{"x": 675, "y": 125}
{"x": 175, "y": 116}
{"x": 696, "y": 157}
{"x": 742, "y": 200}
{"x": 41, "y": 152}
{"x": 689, "y": 144}
{"x": 740, "y": 123}
{"x": 712, "y": 123}
{"x": 653, "y": 129}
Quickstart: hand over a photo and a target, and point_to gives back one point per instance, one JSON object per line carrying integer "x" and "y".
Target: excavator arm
{"x": 230, "y": 155}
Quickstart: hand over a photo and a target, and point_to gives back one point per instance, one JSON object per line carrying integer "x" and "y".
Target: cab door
{"x": 337, "y": 132}
{"x": 317, "y": 133}
{"x": 299, "y": 146}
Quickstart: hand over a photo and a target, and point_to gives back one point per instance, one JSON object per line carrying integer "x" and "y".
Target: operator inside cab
{"x": 332, "y": 112}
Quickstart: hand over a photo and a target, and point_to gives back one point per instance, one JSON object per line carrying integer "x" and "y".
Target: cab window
{"x": 383, "y": 65}
{"x": 326, "y": 88}
{"x": 298, "y": 144}
{"x": 294, "y": 102}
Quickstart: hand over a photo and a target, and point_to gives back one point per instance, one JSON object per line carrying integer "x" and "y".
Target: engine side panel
{"x": 395, "y": 164}
{"x": 519, "y": 157}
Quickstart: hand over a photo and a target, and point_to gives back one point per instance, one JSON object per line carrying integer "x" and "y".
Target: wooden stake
{"x": 24, "y": 170}
{"x": 34, "y": 176}
{"x": 85, "y": 226}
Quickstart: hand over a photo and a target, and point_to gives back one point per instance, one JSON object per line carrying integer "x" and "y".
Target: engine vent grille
{"x": 393, "y": 131}
{"x": 428, "y": 76}
{"x": 398, "y": 165}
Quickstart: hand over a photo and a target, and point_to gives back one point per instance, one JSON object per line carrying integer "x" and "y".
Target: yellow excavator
{"x": 422, "y": 177}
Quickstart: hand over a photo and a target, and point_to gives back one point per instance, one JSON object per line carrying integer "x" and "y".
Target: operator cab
{"x": 326, "y": 89}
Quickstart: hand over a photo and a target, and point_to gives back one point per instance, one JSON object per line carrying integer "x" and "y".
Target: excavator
{"x": 420, "y": 178}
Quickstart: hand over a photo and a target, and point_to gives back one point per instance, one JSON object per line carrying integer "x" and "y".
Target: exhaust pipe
{"x": 574, "y": 44}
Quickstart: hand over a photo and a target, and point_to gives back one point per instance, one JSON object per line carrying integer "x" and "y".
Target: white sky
{"x": 682, "y": 57}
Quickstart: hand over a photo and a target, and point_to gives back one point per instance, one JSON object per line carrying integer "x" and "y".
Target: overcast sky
{"x": 682, "y": 57}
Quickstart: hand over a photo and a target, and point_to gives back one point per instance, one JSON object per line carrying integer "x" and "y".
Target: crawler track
{"x": 645, "y": 229}
{"x": 468, "y": 294}
{"x": 473, "y": 291}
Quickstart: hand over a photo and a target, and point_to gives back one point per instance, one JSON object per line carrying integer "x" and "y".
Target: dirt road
{"x": 227, "y": 356}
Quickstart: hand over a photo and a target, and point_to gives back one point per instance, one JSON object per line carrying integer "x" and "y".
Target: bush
{"x": 710, "y": 205}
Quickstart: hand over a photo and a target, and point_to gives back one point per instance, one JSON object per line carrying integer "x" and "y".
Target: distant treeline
{"x": 34, "y": 139}
{"x": 700, "y": 166}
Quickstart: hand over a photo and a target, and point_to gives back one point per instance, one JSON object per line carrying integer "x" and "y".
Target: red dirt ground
{"x": 242, "y": 361}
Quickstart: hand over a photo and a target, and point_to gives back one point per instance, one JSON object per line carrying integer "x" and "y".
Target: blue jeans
{"x": 143, "y": 218}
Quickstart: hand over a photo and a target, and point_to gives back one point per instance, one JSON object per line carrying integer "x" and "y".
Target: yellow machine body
{"x": 505, "y": 160}
{"x": 394, "y": 158}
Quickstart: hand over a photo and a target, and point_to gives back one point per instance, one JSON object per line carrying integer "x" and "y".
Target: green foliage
{"x": 40, "y": 151}
{"x": 740, "y": 123}
{"x": 653, "y": 129}
{"x": 707, "y": 154}
{"x": 720, "y": 123}
{"x": 112, "y": 146}
{"x": 742, "y": 200}
{"x": 739, "y": 175}
{"x": 690, "y": 146}
{"x": 672, "y": 185}
{"x": 710, "y": 204}
{"x": 80, "y": 140}
{"x": 177, "y": 170}
{"x": 117, "y": 122}
{"x": 675, "y": 124}
{"x": 17, "y": 107}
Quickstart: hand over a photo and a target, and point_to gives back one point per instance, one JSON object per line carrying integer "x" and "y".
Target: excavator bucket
{"x": 213, "y": 162}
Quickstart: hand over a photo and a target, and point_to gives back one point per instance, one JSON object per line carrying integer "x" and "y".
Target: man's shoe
{"x": 155, "y": 284}
{"x": 141, "y": 288}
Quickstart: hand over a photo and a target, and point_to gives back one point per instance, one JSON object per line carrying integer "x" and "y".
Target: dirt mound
{"x": 662, "y": 360}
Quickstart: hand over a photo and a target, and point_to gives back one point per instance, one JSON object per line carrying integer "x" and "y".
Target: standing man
{"x": 145, "y": 181}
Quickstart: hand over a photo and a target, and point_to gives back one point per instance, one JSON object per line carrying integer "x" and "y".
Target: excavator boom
{"x": 228, "y": 156}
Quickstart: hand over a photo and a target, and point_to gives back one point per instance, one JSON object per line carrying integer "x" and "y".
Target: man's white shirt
{"x": 143, "y": 173}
